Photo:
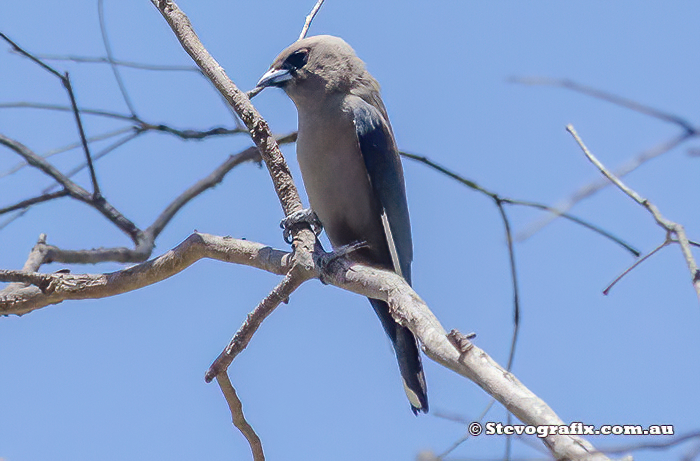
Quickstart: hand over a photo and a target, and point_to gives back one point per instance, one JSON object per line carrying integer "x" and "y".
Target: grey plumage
{"x": 352, "y": 171}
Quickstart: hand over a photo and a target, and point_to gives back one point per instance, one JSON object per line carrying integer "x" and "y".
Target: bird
{"x": 352, "y": 172}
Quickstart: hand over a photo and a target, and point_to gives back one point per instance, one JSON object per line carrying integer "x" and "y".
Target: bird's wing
{"x": 385, "y": 173}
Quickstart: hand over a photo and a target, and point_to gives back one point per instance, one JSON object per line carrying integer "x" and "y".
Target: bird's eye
{"x": 297, "y": 60}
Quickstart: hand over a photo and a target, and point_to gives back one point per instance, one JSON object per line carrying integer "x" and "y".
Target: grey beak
{"x": 274, "y": 77}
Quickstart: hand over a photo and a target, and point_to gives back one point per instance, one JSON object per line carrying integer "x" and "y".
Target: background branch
{"x": 669, "y": 226}
{"x": 688, "y": 132}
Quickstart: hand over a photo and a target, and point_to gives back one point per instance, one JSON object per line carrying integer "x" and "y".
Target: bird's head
{"x": 318, "y": 66}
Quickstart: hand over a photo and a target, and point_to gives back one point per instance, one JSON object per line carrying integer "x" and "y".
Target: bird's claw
{"x": 307, "y": 216}
{"x": 340, "y": 252}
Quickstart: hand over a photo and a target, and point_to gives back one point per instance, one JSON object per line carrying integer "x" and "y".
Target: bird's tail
{"x": 408, "y": 356}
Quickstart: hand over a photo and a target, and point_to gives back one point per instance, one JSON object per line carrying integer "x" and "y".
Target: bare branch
{"x": 192, "y": 134}
{"x": 636, "y": 263}
{"x": 215, "y": 177}
{"x": 86, "y": 148}
{"x": 309, "y": 19}
{"x": 497, "y": 198}
{"x": 110, "y": 58}
{"x": 259, "y": 130}
{"x": 590, "y": 189}
{"x": 32, "y": 201}
{"x": 669, "y": 226}
{"x": 65, "y": 81}
{"x": 117, "y": 62}
{"x": 58, "y": 287}
{"x": 145, "y": 244}
{"x": 514, "y": 281}
{"x": 236, "y": 407}
{"x": 405, "y": 306}
{"x": 241, "y": 339}
{"x": 75, "y": 191}
{"x": 609, "y": 97}
{"x": 689, "y": 131}
{"x": 71, "y": 146}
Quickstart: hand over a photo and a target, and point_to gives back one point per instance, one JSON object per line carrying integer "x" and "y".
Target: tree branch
{"x": 34, "y": 200}
{"x": 236, "y": 408}
{"x": 75, "y": 191}
{"x": 405, "y": 305}
{"x": 669, "y": 226}
{"x": 55, "y": 288}
{"x": 499, "y": 199}
{"x": 609, "y": 97}
{"x": 586, "y": 191}
{"x": 65, "y": 81}
{"x": 309, "y": 19}
{"x": 252, "y": 154}
{"x": 259, "y": 130}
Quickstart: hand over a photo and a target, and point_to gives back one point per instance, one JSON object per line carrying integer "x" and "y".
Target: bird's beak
{"x": 274, "y": 77}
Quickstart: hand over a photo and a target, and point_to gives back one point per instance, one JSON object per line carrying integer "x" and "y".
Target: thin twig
{"x": 65, "y": 81}
{"x": 58, "y": 107}
{"x": 110, "y": 58}
{"x": 192, "y": 134}
{"x": 24, "y": 53}
{"x": 636, "y": 263}
{"x": 609, "y": 97}
{"x": 77, "y": 192}
{"x": 309, "y": 19}
{"x": 669, "y": 226}
{"x": 34, "y": 200}
{"x": 514, "y": 281}
{"x": 578, "y": 221}
{"x": 473, "y": 185}
{"x": 116, "y": 62}
{"x": 236, "y": 408}
{"x": 86, "y": 148}
{"x": 252, "y": 322}
{"x": 689, "y": 131}
{"x": 467, "y": 435}
{"x": 69, "y": 147}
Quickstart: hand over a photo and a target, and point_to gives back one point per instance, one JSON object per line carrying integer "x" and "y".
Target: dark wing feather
{"x": 386, "y": 176}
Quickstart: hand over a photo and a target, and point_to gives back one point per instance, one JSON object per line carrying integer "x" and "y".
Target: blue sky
{"x": 123, "y": 377}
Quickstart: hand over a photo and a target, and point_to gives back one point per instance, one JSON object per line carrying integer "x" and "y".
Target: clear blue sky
{"x": 122, "y": 378}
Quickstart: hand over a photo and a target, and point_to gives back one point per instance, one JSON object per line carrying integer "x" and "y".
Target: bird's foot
{"x": 327, "y": 258}
{"x": 307, "y": 216}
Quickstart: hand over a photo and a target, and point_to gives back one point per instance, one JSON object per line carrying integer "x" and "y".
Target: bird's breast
{"x": 336, "y": 180}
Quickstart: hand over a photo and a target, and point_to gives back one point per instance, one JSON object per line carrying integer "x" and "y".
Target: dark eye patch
{"x": 296, "y": 60}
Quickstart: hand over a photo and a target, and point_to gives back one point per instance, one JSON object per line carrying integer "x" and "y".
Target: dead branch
{"x": 671, "y": 228}
{"x": 688, "y": 131}
{"x": 54, "y": 288}
{"x": 236, "y": 408}
{"x": 406, "y": 306}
